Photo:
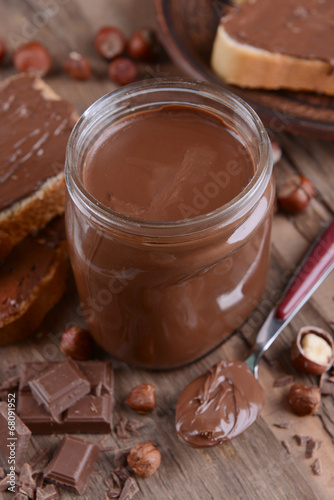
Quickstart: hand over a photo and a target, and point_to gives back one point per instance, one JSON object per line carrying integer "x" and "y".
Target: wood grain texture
{"x": 253, "y": 465}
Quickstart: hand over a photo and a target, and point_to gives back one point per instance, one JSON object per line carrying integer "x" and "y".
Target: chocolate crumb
{"x": 2, "y": 473}
{"x": 286, "y": 446}
{"x": 130, "y": 489}
{"x": 4, "y": 484}
{"x": 311, "y": 447}
{"x": 282, "y": 381}
{"x": 282, "y": 425}
{"x": 301, "y": 439}
{"x": 120, "y": 430}
{"x": 20, "y": 496}
{"x": 327, "y": 384}
{"x": 316, "y": 467}
{"x": 114, "y": 486}
{"x": 49, "y": 492}
{"x": 122, "y": 473}
{"x": 120, "y": 457}
{"x": 133, "y": 426}
{"x": 10, "y": 383}
{"x": 25, "y": 477}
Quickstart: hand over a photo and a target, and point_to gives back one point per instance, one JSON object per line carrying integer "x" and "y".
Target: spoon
{"x": 226, "y": 400}
{"x": 313, "y": 270}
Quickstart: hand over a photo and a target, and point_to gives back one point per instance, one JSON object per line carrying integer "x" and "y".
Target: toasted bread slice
{"x": 35, "y": 126}
{"x": 257, "y": 47}
{"x": 32, "y": 280}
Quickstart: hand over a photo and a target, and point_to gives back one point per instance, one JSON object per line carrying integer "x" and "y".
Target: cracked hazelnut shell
{"x": 299, "y": 358}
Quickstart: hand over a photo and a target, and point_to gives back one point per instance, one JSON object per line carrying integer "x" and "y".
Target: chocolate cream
{"x": 34, "y": 130}
{"x": 163, "y": 305}
{"x": 298, "y": 29}
{"x": 218, "y": 405}
{"x": 168, "y": 164}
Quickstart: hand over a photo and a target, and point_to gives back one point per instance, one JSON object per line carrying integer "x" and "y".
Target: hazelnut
{"x": 77, "y": 343}
{"x": 304, "y": 400}
{"x": 2, "y": 49}
{"x": 144, "y": 459}
{"x": 123, "y": 71}
{"x": 313, "y": 350}
{"x": 142, "y": 398}
{"x": 33, "y": 57}
{"x": 77, "y": 66}
{"x": 144, "y": 45}
{"x": 110, "y": 42}
{"x": 295, "y": 194}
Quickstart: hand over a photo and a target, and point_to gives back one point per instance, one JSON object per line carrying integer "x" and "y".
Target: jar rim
{"x": 125, "y": 223}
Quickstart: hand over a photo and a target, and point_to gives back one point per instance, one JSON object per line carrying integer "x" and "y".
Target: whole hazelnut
{"x": 304, "y": 400}
{"x": 142, "y": 398}
{"x": 144, "y": 459}
{"x": 77, "y": 66}
{"x": 123, "y": 71}
{"x": 32, "y": 57}
{"x": 313, "y": 350}
{"x": 2, "y": 49}
{"x": 144, "y": 45}
{"x": 295, "y": 194}
{"x": 110, "y": 42}
{"x": 77, "y": 343}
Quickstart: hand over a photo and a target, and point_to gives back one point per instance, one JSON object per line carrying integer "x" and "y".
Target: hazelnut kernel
{"x": 295, "y": 194}
{"x": 313, "y": 350}
{"x": 142, "y": 398}
{"x": 304, "y": 400}
{"x": 144, "y": 459}
{"x": 77, "y": 66}
{"x": 77, "y": 343}
{"x": 316, "y": 348}
{"x": 34, "y": 58}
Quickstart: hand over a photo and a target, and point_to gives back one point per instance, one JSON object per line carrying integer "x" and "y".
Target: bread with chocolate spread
{"x": 284, "y": 45}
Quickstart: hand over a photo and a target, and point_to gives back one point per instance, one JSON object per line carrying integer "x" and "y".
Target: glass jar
{"x": 162, "y": 294}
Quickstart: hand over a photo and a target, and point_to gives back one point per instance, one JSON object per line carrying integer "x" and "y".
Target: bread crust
{"x": 250, "y": 67}
{"x": 36, "y": 210}
{"x": 41, "y": 300}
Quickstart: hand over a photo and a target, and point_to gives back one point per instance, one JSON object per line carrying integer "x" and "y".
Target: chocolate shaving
{"x": 282, "y": 425}
{"x": 311, "y": 447}
{"x": 316, "y": 467}
{"x": 38, "y": 478}
{"x": 120, "y": 457}
{"x": 10, "y": 383}
{"x": 301, "y": 439}
{"x": 282, "y": 381}
{"x": 49, "y": 492}
{"x": 114, "y": 486}
{"x": 20, "y": 496}
{"x": 120, "y": 430}
{"x": 122, "y": 473}
{"x": 4, "y": 484}
{"x": 25, "y": 477}
{"x": 130, "y": 489}
{"x": 286, "y": 446}
{"x": 327, "y": 384}
{"x": 133, "y": 426}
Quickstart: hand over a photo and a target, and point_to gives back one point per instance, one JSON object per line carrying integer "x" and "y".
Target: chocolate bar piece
{"x": 15, "y": 437}
{"x": 72, "y": 464}
{"x": 91, "y": 414}
{"x": 59, "y": 387}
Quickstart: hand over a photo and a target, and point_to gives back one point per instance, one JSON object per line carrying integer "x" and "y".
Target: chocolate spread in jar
{"x": 160, "y": 302}
{"x": 298, "y": 29}
{"x": 172, "y": 163}
{"x": 218, "y": 405}
{"x": 34, "y": 130}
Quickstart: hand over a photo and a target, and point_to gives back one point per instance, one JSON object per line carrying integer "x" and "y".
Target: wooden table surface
{"x": 254, "y": 465}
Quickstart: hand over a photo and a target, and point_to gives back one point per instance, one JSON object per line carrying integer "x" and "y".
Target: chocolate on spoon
{"x": 227, "y": 399}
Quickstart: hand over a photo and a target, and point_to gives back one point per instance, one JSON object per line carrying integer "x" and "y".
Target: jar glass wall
{"x": 162, "y": 294}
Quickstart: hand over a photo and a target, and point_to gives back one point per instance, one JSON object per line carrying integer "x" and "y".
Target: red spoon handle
{"x": 315, "y": 265}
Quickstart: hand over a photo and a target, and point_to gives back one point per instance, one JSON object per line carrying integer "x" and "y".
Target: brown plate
{"x": 188, "y": 29}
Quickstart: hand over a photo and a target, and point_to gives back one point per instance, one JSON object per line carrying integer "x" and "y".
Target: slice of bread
{"x": 31, "y": 209}
{"x": 32, "y": 281}
{"x": 242, "y": 64}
